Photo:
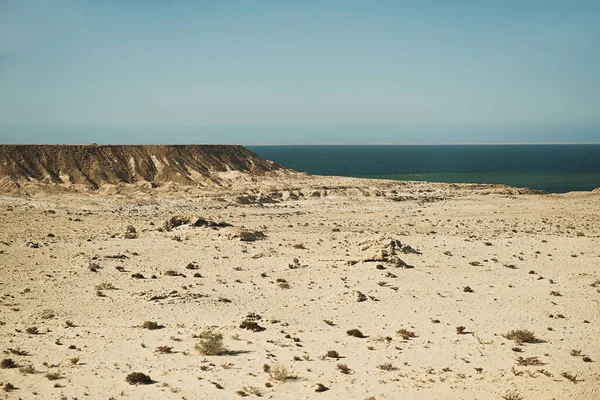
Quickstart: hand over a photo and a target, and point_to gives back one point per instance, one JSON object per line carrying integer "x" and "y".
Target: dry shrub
{"x": 211, "y": 344}
{"x": 151, "y": 325}
{"x": 569, "y": 376}
{"x": 520, "y": 336}
{"x": 17, "y": 352}
{"x": 163, "y": 350}
{"x": 387, "y": 367}
{"x": 529, "y": 361}
{"x": 138, "y": 378}
{"x": 355, "y": 333}
{"x": 279, "y": 372}
{"x": 27, "y": 369}
{"x": 512, "y": 396}
{"x": 321, "y": 388}
{"x": 344, "y": 369}
{"x": 105, "y": 286}
{"x": 332, "y": 354}
{"x": 8, "y": 363}
{"x": 406, "y": 334}
{"x": 53, "y": 376}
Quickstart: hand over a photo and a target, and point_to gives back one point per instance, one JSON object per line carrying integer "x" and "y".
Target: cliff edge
{"x": 92, "y": 166}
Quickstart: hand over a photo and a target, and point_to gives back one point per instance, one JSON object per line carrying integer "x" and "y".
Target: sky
{"x": 294, "y": 72}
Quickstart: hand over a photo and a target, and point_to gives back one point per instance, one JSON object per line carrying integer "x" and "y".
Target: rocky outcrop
{"x": 92, "y": 166}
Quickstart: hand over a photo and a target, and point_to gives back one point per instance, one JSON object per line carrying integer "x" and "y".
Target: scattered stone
{"x": 202, "y": 222}
{"x": 250, "y": 236}
{"x": 360, "y": 297}
{"x": 409, "y": 250}
{"x": 131, "y": 233}
{"x": 388, "y": 253}
{"x": 321, "y": 388}
{"x": 174, "y": 222}
{"x": 252, "y": 326}
{"x": 245, "y": 199}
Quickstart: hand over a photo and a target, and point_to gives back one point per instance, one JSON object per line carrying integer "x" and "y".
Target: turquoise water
{"x": 554, "y": 168}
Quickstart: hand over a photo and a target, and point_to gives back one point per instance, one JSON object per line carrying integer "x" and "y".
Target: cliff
{"x": 154, "y": 165}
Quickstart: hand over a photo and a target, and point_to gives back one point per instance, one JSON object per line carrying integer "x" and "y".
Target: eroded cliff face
{"x": 92, "y": 166}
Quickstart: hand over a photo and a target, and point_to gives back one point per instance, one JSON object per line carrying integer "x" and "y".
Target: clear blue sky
{"x": 144, "y": 71}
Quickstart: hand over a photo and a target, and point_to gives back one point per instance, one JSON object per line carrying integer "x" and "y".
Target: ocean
{"x": 555, "y": 168}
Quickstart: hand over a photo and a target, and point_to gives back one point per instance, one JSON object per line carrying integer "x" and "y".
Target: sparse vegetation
{"x": 344, "y": 369}
{"x": 211, "y": 344}
{"x": 138, "y": 378}
{"x": 405, "y": 334}
{"x": 252, "y": 326}
{"x": 529, "y": 361}
{"x": 253, "y": 390}
{"x": 387, "y": 367}
{"x": 164, "y": 350}
{"x": 332, "y": 354}
{"x": 355, "y": 333}
{"x": 105, "y": 286}
{"x": 278, "y": 372}
{"x": 321, "y": 388}
{"x": 521, "y": 336}
{"x": 151, "y": 325}
{"x": 17, "y": 352}
{"x": 512, "y": 396}
{"x": 32, "y": 330}
{"x": 53, "y": 376}
{"x": 8, "y": 363}
{"x": 460, "y": 330}
{"x": 569, "y": 376}
{"x": 27, "y": 369}
{"x": 8, "y": 387}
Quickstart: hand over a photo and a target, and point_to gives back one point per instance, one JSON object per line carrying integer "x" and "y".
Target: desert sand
{"x": 432, "y": 276}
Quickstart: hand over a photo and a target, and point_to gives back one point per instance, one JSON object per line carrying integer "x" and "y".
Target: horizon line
{"x": 426, "y": 144}
{"x": 307, "y": 144}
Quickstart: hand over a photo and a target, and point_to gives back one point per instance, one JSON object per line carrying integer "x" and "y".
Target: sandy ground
{"x": 530, "y": 261}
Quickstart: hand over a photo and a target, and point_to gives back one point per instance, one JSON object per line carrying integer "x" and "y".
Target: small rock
{"x": 360, "y": 296}
{"x": 131, "y": 233}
